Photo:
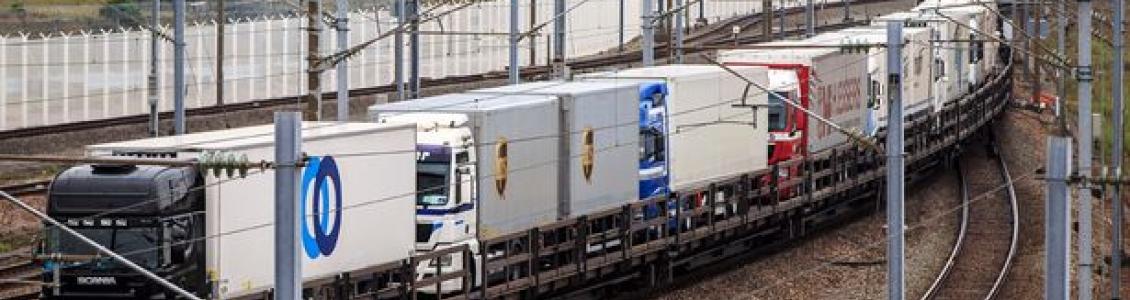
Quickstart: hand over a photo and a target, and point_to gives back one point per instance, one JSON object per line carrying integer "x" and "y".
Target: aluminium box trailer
{"x": 982, "y": 54}
{"x": 838, "y": 86}
{"x": 600, "y": 119}
{"x": 711, "y": 136}
{"x": 955, "y": 80}
{"x": 367, "y": 206}
{"x": 917, "y": 69}
{"x": 515, "y": 153}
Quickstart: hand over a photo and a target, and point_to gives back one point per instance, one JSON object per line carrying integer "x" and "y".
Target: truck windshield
{"x": 138, "y": 244}
{"x": 778, "y": 112}
{"x": 432, "y": 183}
{"x": 651, "y": 145}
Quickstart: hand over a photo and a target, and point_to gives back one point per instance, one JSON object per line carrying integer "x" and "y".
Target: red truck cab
{"x": 788, "y": 126}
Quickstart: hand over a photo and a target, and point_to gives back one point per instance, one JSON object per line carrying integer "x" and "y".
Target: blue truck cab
{"x": 654, "y": 178}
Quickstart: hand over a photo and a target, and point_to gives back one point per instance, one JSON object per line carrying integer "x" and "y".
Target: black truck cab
{"x": 152, "y": 215}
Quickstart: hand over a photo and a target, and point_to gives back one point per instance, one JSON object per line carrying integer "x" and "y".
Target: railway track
{"x": 987, "y": 236}
{"x": 19, "y": 276}
{"x": 37, "y": 187}
{"x": 718, "y": 34}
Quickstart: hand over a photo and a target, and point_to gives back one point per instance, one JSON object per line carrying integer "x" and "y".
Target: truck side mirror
{"x": 463, "y": 175}
{"x": 178, "y": 254}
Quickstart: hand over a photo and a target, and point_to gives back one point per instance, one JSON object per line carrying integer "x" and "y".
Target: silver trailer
{"x": 917, "y": 72}
{"x": 713, "y": 132}
{"x": 512, "y": 150}
{"x": 601, "y": 121}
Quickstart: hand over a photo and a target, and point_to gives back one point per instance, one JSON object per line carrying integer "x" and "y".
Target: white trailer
{"x": 711, "y": 135}
{"x": 601, "y": 121}
{"x": 917, "y": 69}
{"x": 373, "y": 225}
{"x": 838, "y": 86}
{"x": 506, "y": 145}
{"x": 951, "y": 54}
{"x": 982, "y": 44}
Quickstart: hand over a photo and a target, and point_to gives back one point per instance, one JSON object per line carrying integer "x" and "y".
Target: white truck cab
{"x": 445, "y": 189}
{"x": 445, "y": 177}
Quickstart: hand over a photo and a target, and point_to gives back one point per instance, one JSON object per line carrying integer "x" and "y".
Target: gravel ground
{"x": 1023, "y": 136}
{"x": 19, "y": 228}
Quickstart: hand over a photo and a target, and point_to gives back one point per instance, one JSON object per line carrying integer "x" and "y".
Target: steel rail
{"x": 939, "y": 282}
{"x": 951, "y": 261}
{"x": 27, "y": 188}
{"x": 1015, "y": 224}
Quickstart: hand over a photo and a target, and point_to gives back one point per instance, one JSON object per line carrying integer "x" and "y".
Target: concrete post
{"x": 1030, "y": 29}
{"x": 647, "y": 34}
{"x": 679, "y": 33}
{"x": 1116, "y": 154}
{"x": 621, "y": 37}
{"x": 1084, "y": 75}
{"x": 767, "y": 20}
{"x": 559, "y": 37}
{"x": 288, "y": 262}
{"x": 221, "y": 22}
{"x": 809, "y": 19}
{"x": 1035, "y": 50}
{"x": 154, "y": 62}
{"x": 413, "y": 7}
{"x": 313, "y": 97}
{"x": 342, "y": 25}
{"x": 895, "y": 167}
{"x": 781, "y": 20}
{"x": 1061, "y": 46}
{"x": 514, "y": 42}
{"x": 178, "y": 67}
{"x": 533, "y": 21}
{"x": 398, "y": 50}
{"x": 1057, "y": 213}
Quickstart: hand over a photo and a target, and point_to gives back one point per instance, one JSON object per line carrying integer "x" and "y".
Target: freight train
{"x": 538, "y": 189}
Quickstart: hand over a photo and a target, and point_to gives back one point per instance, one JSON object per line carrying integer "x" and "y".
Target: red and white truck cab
{"x": 826, "y": 81}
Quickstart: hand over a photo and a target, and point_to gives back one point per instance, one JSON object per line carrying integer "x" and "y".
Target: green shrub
{"x": 123, "y": 12}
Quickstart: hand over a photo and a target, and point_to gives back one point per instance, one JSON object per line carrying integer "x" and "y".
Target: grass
{"x": 1102, "y": 61}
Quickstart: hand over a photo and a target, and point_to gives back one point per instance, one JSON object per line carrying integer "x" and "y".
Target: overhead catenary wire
{"x": 494, "y": 95}
{"x": 923, "y": 223}
{"x": 395, "y": 197}
{"x": 634, "y": 123}
{"x": 359, "y": 205}
{"x": 1059, "y": 63}
{"x": 333, "y": 59}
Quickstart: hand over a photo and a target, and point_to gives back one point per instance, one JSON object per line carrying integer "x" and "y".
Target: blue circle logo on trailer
{"x": 321, "y": 185}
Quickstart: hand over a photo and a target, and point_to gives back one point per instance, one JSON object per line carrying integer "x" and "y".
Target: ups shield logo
{"x": 588, "y": 153}
{"x": 501, "y": 164}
